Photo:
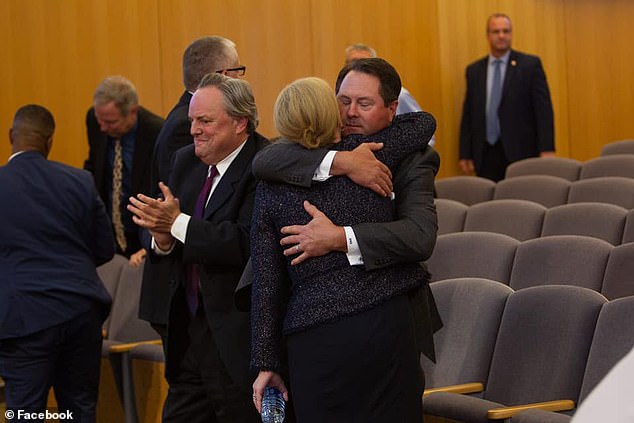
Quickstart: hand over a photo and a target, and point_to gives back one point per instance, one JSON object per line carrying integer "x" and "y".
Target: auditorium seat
{"x": 125, "y": 325}
{"x": 607, "y": 189}
{"x": 560, "y": 260}
{"x": 613, "y": 339}
{"x": 125, "y": 331}
{"x": 618, "y": 280}
{"x": 465, "y": 189}
{"x": 628, "y": 231}
{"x": 546, "y": 190}
{"x": 598, "y": 220}
{"x": 451, "y": 215}
{"x": 471, "y": 310}
{"x": 110, "y": 274}
{"x": 561, "y": 167}
{"x": 540, "y": 355}
{"x": 618, "y": 147}
{"x": 612, "y": 165}
{"x": 473, "y": 254}
{"x": 520, "y": 219}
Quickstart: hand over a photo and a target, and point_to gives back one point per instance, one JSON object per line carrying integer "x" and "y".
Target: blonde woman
{"x": 325, "y": 317}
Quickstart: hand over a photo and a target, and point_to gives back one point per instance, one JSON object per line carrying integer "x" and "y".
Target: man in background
{"x": 121, "y": 136}
{"x": 204, "y": 55}
{"x": 507, "y": 113}
{"x": 55, "y": 232}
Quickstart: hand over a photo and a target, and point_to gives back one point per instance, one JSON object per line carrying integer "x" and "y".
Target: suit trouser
{"x": 66, "y": 356}
{"x": 201, "y": 390}
{"x": 494, "y": 161}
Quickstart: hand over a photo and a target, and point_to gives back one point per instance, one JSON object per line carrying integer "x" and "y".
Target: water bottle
{"x": 272, "y": 406}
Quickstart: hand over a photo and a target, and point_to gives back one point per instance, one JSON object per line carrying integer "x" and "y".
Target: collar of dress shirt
{"x": 224, "y": 164}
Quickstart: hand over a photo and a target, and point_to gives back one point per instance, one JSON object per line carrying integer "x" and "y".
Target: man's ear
{"x": 240, "y": 124}
{"x": 49, "y": 145}
{"x": 134, "y": 110}
{"x": 392, "y": 107}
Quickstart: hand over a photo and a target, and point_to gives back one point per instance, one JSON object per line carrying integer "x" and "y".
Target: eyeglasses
{"x": 240, "y": 69}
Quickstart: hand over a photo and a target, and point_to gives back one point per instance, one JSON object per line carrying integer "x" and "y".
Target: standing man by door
{"x": 507, "y": 113}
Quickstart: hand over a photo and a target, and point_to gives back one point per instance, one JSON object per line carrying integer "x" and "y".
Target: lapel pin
{"x": 513, "y": 63}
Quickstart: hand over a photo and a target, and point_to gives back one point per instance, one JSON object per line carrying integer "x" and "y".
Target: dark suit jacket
{"x": 410, "y": 238}
{"x": 219, "y": 244}
{"x": 327, "y": 285}
{"x": 55, "y": 232}
{"x": 174, "y": 135}
{"x": 96, "y": 163}
{"x": 526, "y": 112}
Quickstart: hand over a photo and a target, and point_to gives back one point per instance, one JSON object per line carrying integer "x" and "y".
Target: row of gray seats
{"x": 502, "y": 348}
{"x": 560, "y": 259}
{"x": 523, "y": 219}
{"x": 571, "y": 169}
{"x": 549, "y": 191}
{"x": 625, "y": 146}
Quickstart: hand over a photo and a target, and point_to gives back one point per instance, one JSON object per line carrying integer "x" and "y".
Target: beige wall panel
{"x": 404, "y": 32}
{"x": 461, "y": 41}
{"x": 539, "y": 29}
{"x": 601, "y": 73}
{"x": 273, "y": 39}
{"x": 57, "y": 52}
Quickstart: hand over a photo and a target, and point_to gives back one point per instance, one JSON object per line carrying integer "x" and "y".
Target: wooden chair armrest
{"x": 507, "y": 412}
{"x": 465, "y": 388}
{"x": 123, "y": 348}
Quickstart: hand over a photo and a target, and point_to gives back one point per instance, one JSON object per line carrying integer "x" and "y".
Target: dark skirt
{"x": 361, "y": 368}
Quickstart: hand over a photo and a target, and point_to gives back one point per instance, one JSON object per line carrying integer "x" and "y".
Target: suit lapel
{"x": 101, "y": 143}
{"x": 511, "y": 68}
{"x": 481, "y": 82}
{"x": 193, "y": 184}
{"x": 234, "y": 173}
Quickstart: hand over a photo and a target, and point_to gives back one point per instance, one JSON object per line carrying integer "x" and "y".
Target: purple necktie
{"x": 192, "y": 285}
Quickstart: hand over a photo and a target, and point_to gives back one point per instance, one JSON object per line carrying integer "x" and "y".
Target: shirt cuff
{"x": 157, "y": 250}
{"x": 179, "y": 227}
{"x": 323, "y": 171}
{"x": 354, "y": 252}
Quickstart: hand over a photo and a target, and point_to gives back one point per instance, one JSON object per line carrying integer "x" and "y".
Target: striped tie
{"x": 117, "y": 176}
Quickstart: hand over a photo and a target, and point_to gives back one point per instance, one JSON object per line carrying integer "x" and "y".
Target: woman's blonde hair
{"x": 306, "y": 112}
